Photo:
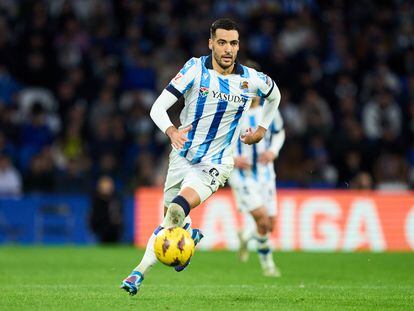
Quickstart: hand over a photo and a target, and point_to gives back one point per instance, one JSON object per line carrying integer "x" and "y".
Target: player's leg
{"x": 245, "y": 233}
{"x": 133, "y": 282}
{"x": 246, "y": 193}
{"x": 267, "y": 261}
{"x": 180, "y": 207}
{"x": 171, "y": 219}
{"x": 198, "y": 185}
{"x": 149, "y": 259}
{"x": 179, "y": 198}
{"x": 262, "y": 238}
{"x": 175, "y": 175}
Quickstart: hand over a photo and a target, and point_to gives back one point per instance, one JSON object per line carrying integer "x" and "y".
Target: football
{"x": 173, "y": 246}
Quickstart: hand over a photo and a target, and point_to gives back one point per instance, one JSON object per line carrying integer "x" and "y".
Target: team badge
{"x": 203, "y": 91}
{"x": 244, "y": 86}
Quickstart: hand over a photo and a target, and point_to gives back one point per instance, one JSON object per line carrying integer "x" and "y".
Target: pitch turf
{"x": 69, "y": 278}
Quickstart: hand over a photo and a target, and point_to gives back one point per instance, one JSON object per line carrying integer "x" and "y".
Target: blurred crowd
{"x": 77, "y": 80}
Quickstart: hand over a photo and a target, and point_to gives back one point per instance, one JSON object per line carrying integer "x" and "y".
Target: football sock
{"x": 262, "y": 244}
{"x": 264, "y": 252}
{"x": 149, "y": 258}
{"x": 180, "y": 200}
{"x": 187, "y": 224}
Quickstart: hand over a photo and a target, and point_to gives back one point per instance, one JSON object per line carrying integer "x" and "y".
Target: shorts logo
{"x": 213, "y": 173}
{"x": 203, "y": 91}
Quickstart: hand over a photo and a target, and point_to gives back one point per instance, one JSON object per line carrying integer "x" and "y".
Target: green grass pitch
{"x": 76, "y": 278}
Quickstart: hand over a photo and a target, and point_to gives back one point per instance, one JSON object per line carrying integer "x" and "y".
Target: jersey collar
{"x": 238, "y": 68}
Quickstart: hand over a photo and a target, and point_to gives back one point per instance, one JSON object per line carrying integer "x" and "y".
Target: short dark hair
{"x": 223, "y": 23}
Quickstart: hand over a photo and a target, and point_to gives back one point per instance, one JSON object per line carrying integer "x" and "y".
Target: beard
{"x": 221, "y": 64}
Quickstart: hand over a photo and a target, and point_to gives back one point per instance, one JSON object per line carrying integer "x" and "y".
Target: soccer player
{"x": 217, "y": 90}
{"x": 253, "y": 185}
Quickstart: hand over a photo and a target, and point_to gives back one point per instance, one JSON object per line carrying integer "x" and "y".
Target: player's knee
{"x": 262, "y": 225}
{"x": 271, "y": 225}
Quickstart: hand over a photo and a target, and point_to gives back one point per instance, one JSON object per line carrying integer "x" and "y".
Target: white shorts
{"x": 251, "y": 194}
{"x": 204, "y": 178}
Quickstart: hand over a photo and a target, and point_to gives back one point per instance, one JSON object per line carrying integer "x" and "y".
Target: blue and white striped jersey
{"x": 258, "y": 171}
{"x": 214, "y": 105}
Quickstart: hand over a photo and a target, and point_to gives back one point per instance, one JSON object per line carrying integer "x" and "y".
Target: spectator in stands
{"x": 9, "y": 86}
{"x": 10, "y": 179}
{"x": 362, "y": 181}
{"x": 35, "y": 135}
{"x": 391, "y": 172}
{"x": 382, "y": 119}
{"x": 347, "y": 74}
{"x": 105, "y": 218}
{"x": 39, "y": 176}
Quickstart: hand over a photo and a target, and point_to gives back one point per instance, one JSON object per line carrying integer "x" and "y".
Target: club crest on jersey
{"x": 203, "y": 91}
{"x": 244, "y": 86}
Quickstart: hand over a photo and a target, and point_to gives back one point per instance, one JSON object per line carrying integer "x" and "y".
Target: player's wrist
{"x": 260, "y": 133}
{"x": 170, "y": 131}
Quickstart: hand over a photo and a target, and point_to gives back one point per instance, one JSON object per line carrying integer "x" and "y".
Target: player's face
{"x": 225, "y": 45}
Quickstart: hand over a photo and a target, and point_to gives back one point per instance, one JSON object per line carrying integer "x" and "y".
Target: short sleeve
{"x": 264, "y": 84}
{"x": 184, "y": 79}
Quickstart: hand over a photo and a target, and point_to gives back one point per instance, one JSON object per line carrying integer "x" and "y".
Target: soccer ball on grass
{"x": 173, "y": 246}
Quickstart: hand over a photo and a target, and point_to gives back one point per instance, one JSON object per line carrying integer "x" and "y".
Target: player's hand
{"x": 250, "y": 137}
{"x": 266, "y": 157}
{"x": 241, "y": 163}
{"x": 178, "y": 137}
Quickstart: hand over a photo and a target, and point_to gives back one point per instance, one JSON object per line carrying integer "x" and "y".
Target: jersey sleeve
{"x": 277, "y": 124}
{"x": 264, "y": 84}
{"x": 184, "y": 79}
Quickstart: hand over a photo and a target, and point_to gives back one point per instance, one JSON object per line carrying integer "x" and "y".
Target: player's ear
{"x": 210, "y": 44}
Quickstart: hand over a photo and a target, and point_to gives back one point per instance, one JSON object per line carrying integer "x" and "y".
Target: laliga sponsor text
{"x": 306, "y": 220}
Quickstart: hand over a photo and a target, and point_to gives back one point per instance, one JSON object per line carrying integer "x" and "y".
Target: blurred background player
{"x": 217, "y": 90}
{"x": 253, "y": 185}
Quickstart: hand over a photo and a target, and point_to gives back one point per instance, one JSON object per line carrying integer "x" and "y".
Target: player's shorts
{"x": 204, "y": 178}
{"x": 251, "y": 194}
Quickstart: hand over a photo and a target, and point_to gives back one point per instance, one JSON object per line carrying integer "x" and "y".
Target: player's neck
{"x": 221, "y": 70}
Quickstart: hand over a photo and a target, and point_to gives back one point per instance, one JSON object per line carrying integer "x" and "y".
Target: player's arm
{"x": 276, "y": 142}
{"x": 241, "y": 162}
{"x": 272, "y": 153}
{"x": 272, "y": 95}
{"x": 169, "y": 96}
{"x": 160, "y": 117}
